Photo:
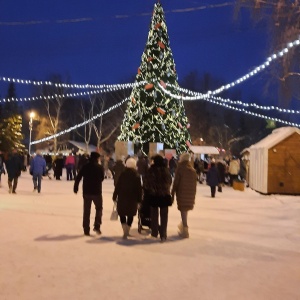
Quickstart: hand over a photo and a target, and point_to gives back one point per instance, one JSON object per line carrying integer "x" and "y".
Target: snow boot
{"x": 180, "y": 228}
{"x": 185, "y": 233}
{"x": 126, "y": 229}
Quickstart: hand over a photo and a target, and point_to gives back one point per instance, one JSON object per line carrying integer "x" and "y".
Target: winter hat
{"x": 184, "y": 157}
{"x": 94, "y": 155}
{"x": 131, "y": 163}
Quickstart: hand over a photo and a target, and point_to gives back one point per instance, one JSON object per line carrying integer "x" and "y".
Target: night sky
{"x": 101, "y": 42}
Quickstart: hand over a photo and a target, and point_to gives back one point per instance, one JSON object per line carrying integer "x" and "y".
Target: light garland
{"x": 258, "y": 69}
{"x": 200, "y": 96}
{"x": 217, "y": 100}
{"x": 52, "y": 96}
{"x": 118, "y": 86}
{"x": 80, "y": 124}
{"x": 254, "y": 114}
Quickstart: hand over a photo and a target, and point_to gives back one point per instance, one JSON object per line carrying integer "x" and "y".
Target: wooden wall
{"x": 284, "y": 166}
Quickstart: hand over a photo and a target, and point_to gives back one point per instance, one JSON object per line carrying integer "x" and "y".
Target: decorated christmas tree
{"x": 152, "y": 115}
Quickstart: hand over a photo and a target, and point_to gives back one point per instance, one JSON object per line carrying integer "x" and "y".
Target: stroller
{"x": 144, "y": 215}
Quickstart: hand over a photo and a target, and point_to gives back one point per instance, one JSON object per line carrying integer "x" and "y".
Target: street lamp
{"x": 31, "y": 115}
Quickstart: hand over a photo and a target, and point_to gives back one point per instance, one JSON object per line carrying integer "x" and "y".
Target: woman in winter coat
{"x": 213, "y": 179}
{"x": 157, "y": 183}
{"x": 127, "y": 194}
{"x": 184, "y": 186}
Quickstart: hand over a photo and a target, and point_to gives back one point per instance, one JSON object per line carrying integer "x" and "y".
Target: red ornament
{"x": 150, "y": 58}
{"x": 139, "y": 71}
{"x": 149, "y": 86}
{"x": 161, "y": 111}
{"x": 188, "y": 125}
{"x": 136, "y": 126}
{"x": 133, "y": 100}
{"x": 161, "y": 45}
{"x": 157, "y": 25}
{"x": 179, "y": 124}
{"x": 188, "y": 143}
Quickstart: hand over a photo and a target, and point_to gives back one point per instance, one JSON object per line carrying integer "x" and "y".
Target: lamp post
{"x": 31, "y": 115}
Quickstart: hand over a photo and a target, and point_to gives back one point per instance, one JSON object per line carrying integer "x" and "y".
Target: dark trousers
{"x": 70, "y": 173}
{"x": 87, "y": 203}
{"x": 128, "y": 221}
{"x": 213, "y": 191}
{"x": 12, "y": 183}
{"x": 155, "y": 228}
{"x": 37, "y": 181}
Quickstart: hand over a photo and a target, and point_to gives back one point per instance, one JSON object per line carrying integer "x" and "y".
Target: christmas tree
{"x": 152, "y": 115}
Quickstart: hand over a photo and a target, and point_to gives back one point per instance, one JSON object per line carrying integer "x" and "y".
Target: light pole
{"x": 31, "y": 115}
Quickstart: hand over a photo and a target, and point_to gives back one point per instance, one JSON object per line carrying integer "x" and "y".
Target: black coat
{"x": 213, "y": 177}
{"x": 93, "y": 175}
{"x": 13, "y": 166}
{"x": 128, "y": 192}
{"x": 157, "y": 183}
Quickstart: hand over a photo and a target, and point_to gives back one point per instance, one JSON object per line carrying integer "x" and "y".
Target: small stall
{"x": 275, "y": 163}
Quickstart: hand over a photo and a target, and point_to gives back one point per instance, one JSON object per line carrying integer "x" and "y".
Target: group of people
{"x": 131, "y": 188}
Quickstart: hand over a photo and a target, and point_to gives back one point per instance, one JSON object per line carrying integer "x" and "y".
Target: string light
{"x": 199, "y": 96}
{"x": 81, "y": 124}
{"x": 118, "y": 86}
{"x": 215, "y": 100}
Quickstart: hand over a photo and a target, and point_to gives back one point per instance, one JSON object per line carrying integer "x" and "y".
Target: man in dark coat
{"x": 93, "y": 175}
{"x": 14, "y": 167}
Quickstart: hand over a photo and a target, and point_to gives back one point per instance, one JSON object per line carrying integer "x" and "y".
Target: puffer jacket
{"x": 184, "y": 186}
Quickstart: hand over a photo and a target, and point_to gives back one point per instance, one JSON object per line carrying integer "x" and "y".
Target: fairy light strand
{"x": 80, "y": 124}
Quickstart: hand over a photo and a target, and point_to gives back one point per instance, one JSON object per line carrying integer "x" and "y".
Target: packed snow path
{"x": 242, "y": 245}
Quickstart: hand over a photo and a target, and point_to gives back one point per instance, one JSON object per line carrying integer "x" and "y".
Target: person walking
{"x": 119, "y": 167}
{"x": 184, "y": 187}
{"x": 157, "y": 183}
{"x": 70, "y": 166}
{"x": 213, "y": 179}
{"x": 58, "y": 165}
{"x": 234, "y": 168}
{"x": 14, "y": 167}
{"x": 2, "y": 170}
{"x": 128, "y": 194}
{"x": 93, "y": 176}
{"x": 37, "y": 170}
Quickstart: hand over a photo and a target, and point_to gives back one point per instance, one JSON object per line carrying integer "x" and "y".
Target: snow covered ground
{"x": 242, "y": 245}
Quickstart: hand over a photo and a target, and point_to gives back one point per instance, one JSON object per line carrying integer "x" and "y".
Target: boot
{"x": 126, "y": 229}
{"x": 185, "y": 233}
{"x": 180, "y": 228}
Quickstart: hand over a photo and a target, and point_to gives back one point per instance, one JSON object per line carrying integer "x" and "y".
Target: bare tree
{"x": 283, "y": 18}
{"x": 86, "y": 114}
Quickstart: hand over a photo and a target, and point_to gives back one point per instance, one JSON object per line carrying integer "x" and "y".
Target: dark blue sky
{"x": 105, "y": 40}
